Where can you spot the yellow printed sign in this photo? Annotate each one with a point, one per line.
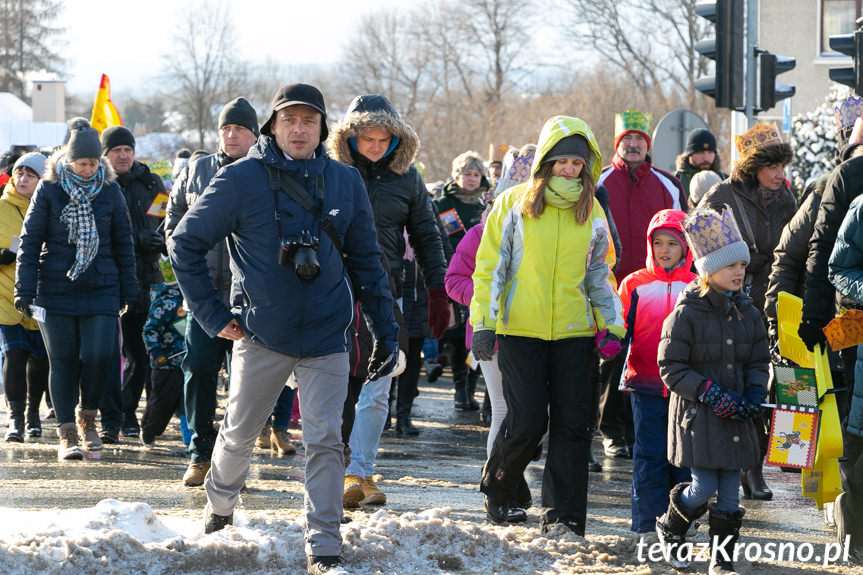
(793, 438)
(159, 207)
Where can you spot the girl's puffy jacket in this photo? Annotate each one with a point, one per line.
(648, 296)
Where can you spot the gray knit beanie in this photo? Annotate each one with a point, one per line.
(34, 160)
(83, 141)
(701, 183)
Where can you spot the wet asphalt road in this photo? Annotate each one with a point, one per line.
(439, 468)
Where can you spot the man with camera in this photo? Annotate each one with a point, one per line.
(238, 132)
(287, 195)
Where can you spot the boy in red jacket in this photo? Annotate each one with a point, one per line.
(648, 296)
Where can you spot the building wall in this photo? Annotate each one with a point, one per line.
(791, 28)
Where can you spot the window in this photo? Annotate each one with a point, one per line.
(838, 17)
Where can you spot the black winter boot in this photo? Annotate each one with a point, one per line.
(485, 412)
(459, 380)
(671, 528)
(472, 376)
(724, 533)
(403, 418)
(15, 431)
(754, 486)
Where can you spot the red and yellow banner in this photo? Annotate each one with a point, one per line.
(104, 113)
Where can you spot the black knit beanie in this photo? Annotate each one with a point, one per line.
(700, 140)
(574, 146)
(117, 136)
(238, 111)
(83, 141)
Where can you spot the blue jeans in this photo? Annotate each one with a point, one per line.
(281, 417)
(705, 482)
(371, 414)
(652, 475)
(204, 357)
(80, 351)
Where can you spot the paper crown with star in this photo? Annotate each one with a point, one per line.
(632, 120)
(757, 136)
(715, 239)
(847, 111)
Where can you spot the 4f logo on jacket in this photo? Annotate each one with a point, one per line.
(334, 212)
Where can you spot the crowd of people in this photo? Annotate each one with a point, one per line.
(311, 261)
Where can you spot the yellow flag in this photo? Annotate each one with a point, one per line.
(104, 113)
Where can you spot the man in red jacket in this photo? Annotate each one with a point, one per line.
(636, 191)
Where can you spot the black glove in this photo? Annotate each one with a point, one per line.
(385, 357)
(155, 243)
(482, 344)
(23, 303)
(723, 402)
(7, 257)
(811, 334)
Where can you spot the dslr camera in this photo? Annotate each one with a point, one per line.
(302, 251)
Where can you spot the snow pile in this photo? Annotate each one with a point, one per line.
(115, 538)
(814, 140)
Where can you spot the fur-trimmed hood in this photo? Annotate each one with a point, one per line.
(52, 175)
(374, 111)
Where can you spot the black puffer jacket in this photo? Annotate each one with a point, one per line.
(720, 339)
(395, 187)
(190, 185)
(766, 223)
(845, 184)
(789, 258)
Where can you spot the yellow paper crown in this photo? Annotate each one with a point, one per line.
(708, 231)
(758, 135)
(847, 111)
(632, 119)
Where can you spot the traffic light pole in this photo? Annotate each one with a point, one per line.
(751, 61)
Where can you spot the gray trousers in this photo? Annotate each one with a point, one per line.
(257, 378)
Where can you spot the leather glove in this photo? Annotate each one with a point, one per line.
(439, 310)
(385, 356)
(810, 331)
(723, 402)
(155, 243)
(482, 344)
(23, 303)
(607, 344)
(7, 257)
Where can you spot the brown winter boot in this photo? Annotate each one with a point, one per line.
(263, 440)
(280, 441)
(86, 420)
(69, 448)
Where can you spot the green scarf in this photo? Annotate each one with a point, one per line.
(562, 193)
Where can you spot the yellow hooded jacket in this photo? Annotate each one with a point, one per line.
(549, 277)
(13, 206)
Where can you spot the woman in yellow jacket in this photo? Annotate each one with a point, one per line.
(25, 361)
(543, 289)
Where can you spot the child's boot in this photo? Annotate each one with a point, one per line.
(671, 528)
(724, 533)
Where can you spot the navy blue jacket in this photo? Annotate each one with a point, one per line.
(274, 308)
(46, 255)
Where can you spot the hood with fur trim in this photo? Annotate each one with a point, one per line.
(52, 175)
(374, 111)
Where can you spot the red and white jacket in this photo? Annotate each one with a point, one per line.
(648, 296)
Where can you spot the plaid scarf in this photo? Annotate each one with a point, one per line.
(78, 215)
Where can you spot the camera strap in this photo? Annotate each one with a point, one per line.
(283, 180)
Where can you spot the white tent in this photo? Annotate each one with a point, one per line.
(18, 128)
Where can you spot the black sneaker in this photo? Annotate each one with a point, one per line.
(110, 436)
(147, 439)
(325, 565)
(213, 522)
(34, 432)
(433, 372)
(132, 432)
(516, 515)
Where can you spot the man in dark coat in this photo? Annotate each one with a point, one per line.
(140, 188)
(375, 140)
(291, 310)
(636, 190)
(238, 131)
(700, 154)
